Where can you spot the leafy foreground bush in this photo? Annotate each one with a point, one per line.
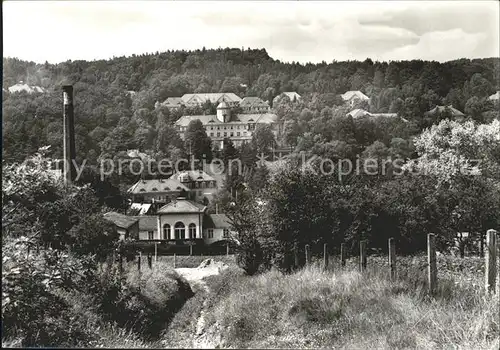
(72, 304)
(316, 309)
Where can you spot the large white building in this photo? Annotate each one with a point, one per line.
(237, 127)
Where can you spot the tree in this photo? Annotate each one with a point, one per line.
(197, 142)
(479, 86)
(228, 152)
(475, 107)
(263, 139)
(260, 178)
(291, 132)
(453, 149)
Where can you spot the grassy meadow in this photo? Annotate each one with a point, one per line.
(346, 309)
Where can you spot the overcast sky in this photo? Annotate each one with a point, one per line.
(289, 31)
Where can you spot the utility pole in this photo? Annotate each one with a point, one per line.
(69, 149)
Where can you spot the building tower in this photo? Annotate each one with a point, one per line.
(223, 112)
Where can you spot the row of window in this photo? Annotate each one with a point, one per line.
(154, 189)
(179, 231)
(210, 233)
(230, 134)
(227, 127)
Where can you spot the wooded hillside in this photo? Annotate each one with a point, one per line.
(111, 119)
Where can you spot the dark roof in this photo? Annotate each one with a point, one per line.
(191, 175)
(157, 185)
(266, 118)
(216, 221)
(182, 205)
(253, 101)
(120, 220)
(147, 222)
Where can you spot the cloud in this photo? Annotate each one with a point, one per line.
(443, 46)
(439, 16)
(290, 31)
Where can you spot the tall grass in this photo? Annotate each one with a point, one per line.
(316, 309)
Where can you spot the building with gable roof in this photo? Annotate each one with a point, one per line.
(252, 104)
(156, 190)
(173, 102)
(358, 113)
(148, 226)
(20, 87)
(455, 113)
(353, 97)
(194, 184)
(192, 100)
(181, 220)
(292, 96)
(126, 226)
(225, 124)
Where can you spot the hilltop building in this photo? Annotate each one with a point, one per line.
(254, 105)
(455, 113)
(292, 96)
(194, 100)
(353, 97)
(173, 102)
(20, 87)
(237, 127)
(357, 113)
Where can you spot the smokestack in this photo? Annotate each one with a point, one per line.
(69, 148)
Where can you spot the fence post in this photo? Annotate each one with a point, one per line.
(308, 255)
(431, 262)
(139, 262)
(362, 256)
(392, 258)
(150, 261)
(491, 260)
(191, 249)
(325, 256)
(175, 261)
(227, 249)
(120, 265)
(342, 254)
(156, 252)
(296, 255)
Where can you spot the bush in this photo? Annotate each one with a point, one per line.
(32, 309)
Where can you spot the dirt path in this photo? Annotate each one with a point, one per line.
(195, 277)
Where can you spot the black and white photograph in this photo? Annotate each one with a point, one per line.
(251, 174)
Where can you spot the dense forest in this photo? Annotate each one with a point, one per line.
(115, 98)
